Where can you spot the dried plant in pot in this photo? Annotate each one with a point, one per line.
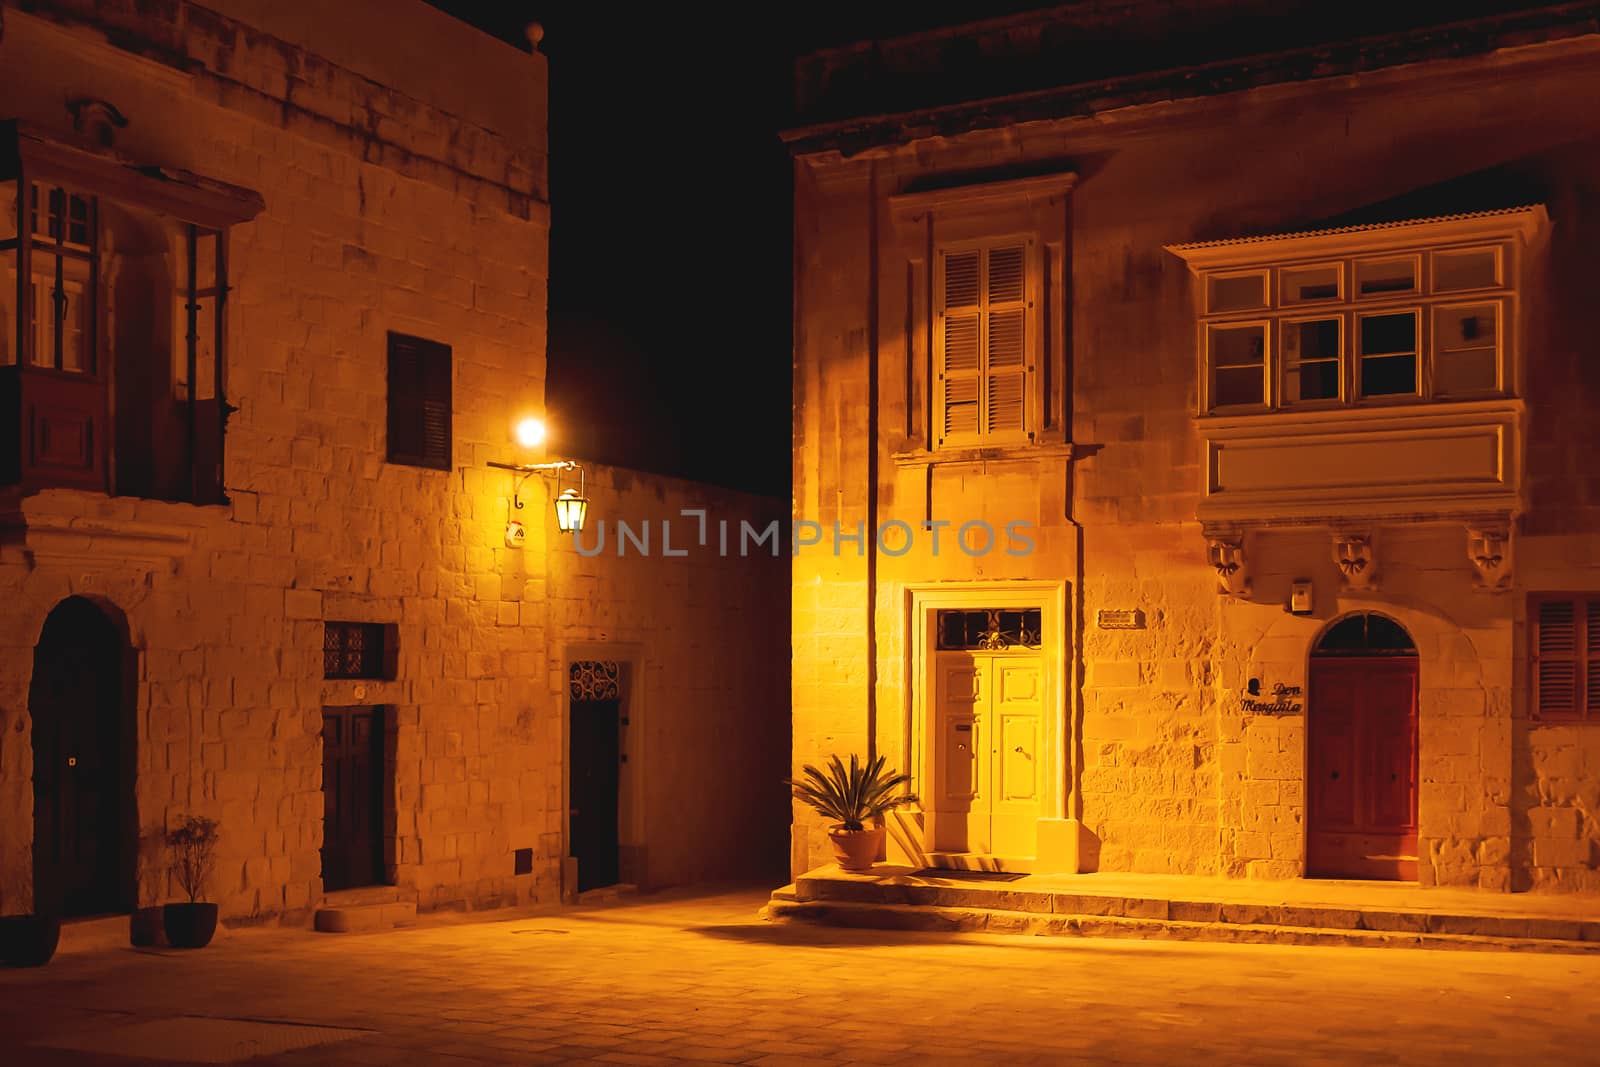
(851, 798)
(193, 845)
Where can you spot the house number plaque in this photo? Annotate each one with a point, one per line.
(1120, 619)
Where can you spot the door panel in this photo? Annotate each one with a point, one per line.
(1362, 764)
(353, 773)
(987, 761)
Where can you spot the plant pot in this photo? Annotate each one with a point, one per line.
(856, 850)
(28, 940)
(189, 925)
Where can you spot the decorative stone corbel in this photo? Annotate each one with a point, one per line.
(1358, 562)
(1489, 552)
(96, 122)
(1225, 552)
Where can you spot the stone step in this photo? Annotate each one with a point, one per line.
(363, 910)
(609, 894)
(950, 920)
(1040, 900)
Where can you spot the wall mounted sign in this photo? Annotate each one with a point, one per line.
(1127, 619)
(1281, 700)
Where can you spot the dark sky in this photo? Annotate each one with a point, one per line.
(670, 304)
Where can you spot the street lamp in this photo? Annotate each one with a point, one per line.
(570, 503)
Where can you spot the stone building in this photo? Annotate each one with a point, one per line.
(273, 298)
(1196, 410)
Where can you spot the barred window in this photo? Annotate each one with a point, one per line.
(359, 650)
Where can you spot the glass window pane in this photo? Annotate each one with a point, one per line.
(1312, 381)
(1301, 284)
(1374, 276)
(1238, 346)
(75, 316)
(1381, 334)
(1388, 375)
(1316, 339)
(1311, 360)
(1238, 385)
(1239, 292)
(1476, 268)
(1466, 349)
(8, 314)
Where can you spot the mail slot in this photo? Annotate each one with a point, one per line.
(963, 727)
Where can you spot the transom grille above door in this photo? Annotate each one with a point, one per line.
(989, 629)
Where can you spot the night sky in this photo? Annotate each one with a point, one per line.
(670, 240)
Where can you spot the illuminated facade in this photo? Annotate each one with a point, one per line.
(274, 295)
(1276, 349)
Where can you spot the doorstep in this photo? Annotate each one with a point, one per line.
(1302, 911)
(365, 909)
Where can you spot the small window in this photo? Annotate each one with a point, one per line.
(1471, 268)
(1566, 657)
(1388, 354)
(1381, 277)
(1237, 292)
(1304, 285)
(359, 650)
(419, 402)
(1366, 634)
(1237, 356)
(1312, 358)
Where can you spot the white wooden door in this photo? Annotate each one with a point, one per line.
(987, 753)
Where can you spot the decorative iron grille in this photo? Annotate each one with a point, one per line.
(353, 650)
(595, 679)
(989, 629)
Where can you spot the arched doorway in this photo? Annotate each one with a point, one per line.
(82, 764)
(1361, 752)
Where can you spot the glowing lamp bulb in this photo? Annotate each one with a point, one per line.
(530, 433)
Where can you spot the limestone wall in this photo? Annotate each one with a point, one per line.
(1171, 774)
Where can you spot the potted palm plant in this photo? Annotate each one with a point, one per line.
(193, 843)
(851, 797)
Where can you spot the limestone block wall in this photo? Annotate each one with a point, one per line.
(703, 632)
(1171, 774)
(384, 212)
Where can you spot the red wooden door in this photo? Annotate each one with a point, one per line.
(1362, 768)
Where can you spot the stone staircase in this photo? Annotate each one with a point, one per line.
(950, 902)
(364, 910)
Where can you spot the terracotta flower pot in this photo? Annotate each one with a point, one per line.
(189, 925)
(856, 850)
(28, 940)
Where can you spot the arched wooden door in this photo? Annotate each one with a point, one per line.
(82, 767)
(1361, 752)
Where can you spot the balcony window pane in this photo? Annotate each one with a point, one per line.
(1239, 292)
(1466, 347)
(1311, 360)
(1378, 276)
(1389, 354)
(1238, 360)
(1473, 268)
(1302, 284)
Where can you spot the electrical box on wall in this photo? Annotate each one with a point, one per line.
(1300, 598)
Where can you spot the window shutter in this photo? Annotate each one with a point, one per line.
(1007, 364)
(1592, 658)
(419, 402)
(1555, 668)
(961, 316)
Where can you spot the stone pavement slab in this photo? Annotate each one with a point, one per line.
(697, 979)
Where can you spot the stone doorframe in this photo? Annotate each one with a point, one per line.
(911, 833)
(631, 836)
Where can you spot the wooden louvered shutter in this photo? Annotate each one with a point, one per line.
(981, 345)
(1006, 346)
(419, 402)
(1591, 655)
(959, 335)
(1557, 659)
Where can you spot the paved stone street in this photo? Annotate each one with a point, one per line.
(700, 979)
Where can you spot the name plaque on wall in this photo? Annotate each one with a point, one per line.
(1120, 619)
(1282, 700)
